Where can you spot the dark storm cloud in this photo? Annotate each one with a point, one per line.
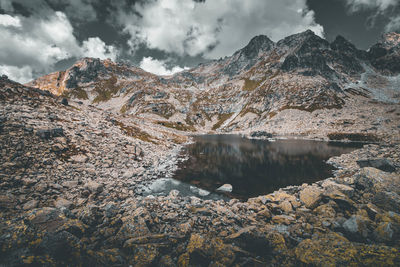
(360, 21)
(165, 35)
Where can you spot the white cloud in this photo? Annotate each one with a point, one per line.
(38, 43)
(158, 67)
(35, 45)
(7, 20)
(22, 75)
(214, 28)
(393, 25)
(381, 5)
(95, 47)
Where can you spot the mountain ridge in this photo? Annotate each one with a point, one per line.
(302, 72)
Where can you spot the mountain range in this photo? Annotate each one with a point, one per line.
(302, 72)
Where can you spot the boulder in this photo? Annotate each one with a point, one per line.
(110, 210)
(381, 164)
(79, 158)
(64, 101)
(389, 201)
(357, 226)
(310, 196)
(63, 203)
(94, 187)
(50, 133)
(32, 204)
(385, 232)
(285, 206)
(347, 190)
(7, 201)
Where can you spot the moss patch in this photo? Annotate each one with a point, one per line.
(77, 92)
(246, 110)
(221, 119)
(250, 85)
(124, 109)
(177, 125)
(106, 89)
(135, 132)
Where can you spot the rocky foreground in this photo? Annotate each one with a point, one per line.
(69, 178)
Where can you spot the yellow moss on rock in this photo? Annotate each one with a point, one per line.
(333, 249)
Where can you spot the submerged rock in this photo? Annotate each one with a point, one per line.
(225, 188)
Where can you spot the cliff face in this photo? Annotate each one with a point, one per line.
(302, 72)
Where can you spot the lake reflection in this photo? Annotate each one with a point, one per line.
(256, 167)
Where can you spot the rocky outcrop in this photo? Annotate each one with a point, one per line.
(385, 55)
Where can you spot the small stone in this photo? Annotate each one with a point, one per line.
(286, 206)
(194, 201)
(173, 193)
(64, 101)
(30, 204)
(70, 184)
(79, 158)
(264, 214)
(111, 210)
(28, 182)
(128, 174)
(203, 192)
(283, 219)
(58, 147)
(225, 188)
(94, 187)
(347, 190)
(63, 203)
(7, 201)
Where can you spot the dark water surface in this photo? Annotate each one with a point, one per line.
(256, 167)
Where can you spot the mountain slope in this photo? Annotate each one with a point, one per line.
(302, 72)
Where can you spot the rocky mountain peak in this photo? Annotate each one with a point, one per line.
(307, 37)
(385, 55)
(342, 44)
(259, 43)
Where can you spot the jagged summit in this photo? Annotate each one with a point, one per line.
(307, 37)
(342, 44)
(257, 44)
(385, 55)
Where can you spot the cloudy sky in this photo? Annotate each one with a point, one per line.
(166, 36)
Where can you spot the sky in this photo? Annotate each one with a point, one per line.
(167, 36)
